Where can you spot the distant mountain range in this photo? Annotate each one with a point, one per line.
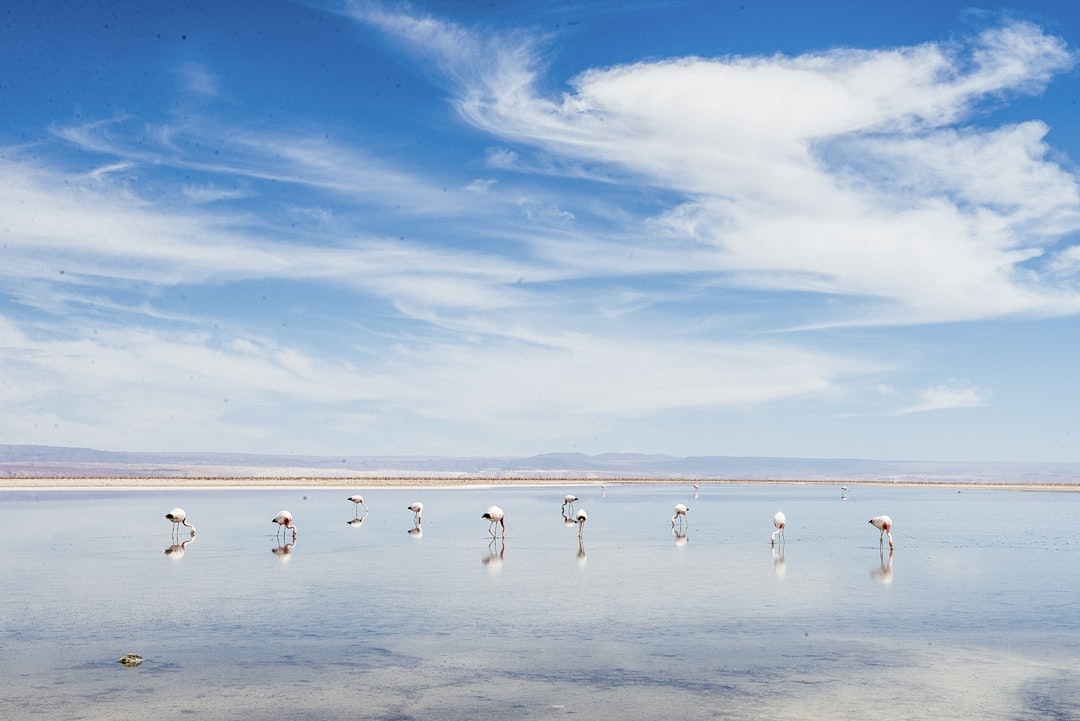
(55, 461)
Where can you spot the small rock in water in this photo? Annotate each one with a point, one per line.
(131, 659)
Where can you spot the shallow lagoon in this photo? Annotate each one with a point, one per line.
(973, 616)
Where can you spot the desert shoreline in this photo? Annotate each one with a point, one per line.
(59, 483)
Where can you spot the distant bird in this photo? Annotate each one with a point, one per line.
(779, 521)
(568, 499)
(883, 524)
(495, 515)
(697, 489)
(357, 501)
(680, 513)
(284, 520)
(418, 509)
(178, 518)
(581, 516)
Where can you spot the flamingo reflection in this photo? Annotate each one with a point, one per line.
(883, 573)
(417, 531)
(354, 521)
(680, 535)
(581, 552)
(778, 560)
(284, 551)
(177, 549)
(496, 553)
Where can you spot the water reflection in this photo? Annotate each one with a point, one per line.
(778, 560)
(177, 549)
(357, 522)
(284, 551)
(496, 553)
(680, 535)
(697, 491)
(417, 531)
(883, 573)
(986, 583)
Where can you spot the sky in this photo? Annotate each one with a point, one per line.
(748, 228)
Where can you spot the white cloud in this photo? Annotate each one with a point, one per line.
(848, 172)
(949, 395)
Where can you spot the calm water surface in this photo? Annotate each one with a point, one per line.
(974, 615)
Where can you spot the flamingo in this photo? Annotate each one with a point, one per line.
(581, 516)
(284, 520)
(495, 515)
(568, 499)
(357, 501)
(680, 513)
(883, 524)
(418, 509)
(178, 518)
(779, 521)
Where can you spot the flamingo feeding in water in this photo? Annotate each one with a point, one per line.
(568, 500)
(883, 524)
(495, 515)
(779, 521)
(581, 516)
(284, 520)
(357, 501)
(178, 518)
(680, 513)
(418, 509)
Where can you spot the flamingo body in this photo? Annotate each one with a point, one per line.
(418, 509)
(357, 501)
(580, 517)
(680, 513)
(179, 518)
(284, 520)
(883, 524)
(779, 521)
(494, 514)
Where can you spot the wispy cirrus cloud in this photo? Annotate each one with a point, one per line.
(858, 173)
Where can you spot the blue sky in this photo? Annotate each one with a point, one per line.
(734, 228)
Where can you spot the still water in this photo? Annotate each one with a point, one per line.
(974, 615)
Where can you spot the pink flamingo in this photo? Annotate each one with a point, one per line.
(178, 518)
(284, 520)
(495, 515)
(779, 521)
(883, 524)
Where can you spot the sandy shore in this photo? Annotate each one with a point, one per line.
(41, 483)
